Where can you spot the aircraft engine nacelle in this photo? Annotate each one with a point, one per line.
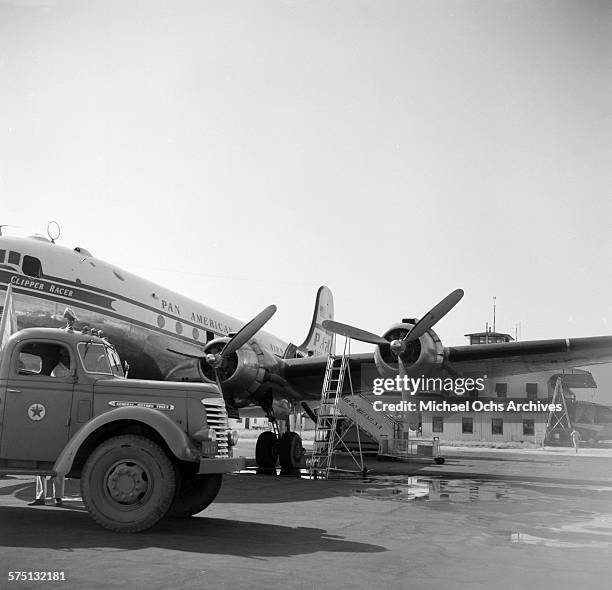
(423, 357)
(242, 372)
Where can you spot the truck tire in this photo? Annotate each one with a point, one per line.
(128, 483)
(195, 493)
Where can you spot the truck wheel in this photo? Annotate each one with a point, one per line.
(128, 483)
(290, 451)
(195, 493)
(266, 450)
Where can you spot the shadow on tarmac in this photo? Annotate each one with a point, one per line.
(69, 530)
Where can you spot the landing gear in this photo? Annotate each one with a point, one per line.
(269, 449)
(291, 453)
(279, 443)
(266, 450)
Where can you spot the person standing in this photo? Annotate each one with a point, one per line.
(575, 438)
(58, 483)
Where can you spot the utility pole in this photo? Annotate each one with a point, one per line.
(494, 298)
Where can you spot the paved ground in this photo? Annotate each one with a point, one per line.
(481, 521)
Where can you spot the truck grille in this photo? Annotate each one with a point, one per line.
(216, 417)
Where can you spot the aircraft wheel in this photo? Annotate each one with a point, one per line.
(266, 450)
(291, 451)
(439, 460)
(128, 483)
(195, 493)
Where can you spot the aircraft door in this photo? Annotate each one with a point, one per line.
(38, 402)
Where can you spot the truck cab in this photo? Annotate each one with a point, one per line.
(142, 449)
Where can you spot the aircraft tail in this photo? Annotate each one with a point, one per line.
(320, 342)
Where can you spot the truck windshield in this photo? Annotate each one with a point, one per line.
(94, 358)
(115, 362)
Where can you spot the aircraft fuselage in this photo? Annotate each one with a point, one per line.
(141, 318)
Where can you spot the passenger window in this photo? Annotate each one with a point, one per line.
(31, 266)
(14, 258)
(2, 256)
(45, 359)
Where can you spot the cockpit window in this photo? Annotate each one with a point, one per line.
(32, 267)
(14, 258)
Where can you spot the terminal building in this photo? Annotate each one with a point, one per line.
(505, 426)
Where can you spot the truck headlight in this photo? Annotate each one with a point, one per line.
(205, 435)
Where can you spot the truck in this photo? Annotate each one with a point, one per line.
(143, 450)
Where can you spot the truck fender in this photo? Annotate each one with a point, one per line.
(175, 438)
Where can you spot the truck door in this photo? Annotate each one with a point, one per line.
(38, 402)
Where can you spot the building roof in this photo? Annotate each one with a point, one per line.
(495, 334)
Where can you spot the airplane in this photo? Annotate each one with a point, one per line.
(164, 335)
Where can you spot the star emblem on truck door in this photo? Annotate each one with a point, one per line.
(36, 412)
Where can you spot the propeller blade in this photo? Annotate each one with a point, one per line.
(248, 331)
(434, 315)
(401, 366)
(352, 332)
(218, 380)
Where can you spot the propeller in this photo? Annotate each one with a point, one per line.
(434, 315)
(215, 359)
(240, 338)
(428, 321)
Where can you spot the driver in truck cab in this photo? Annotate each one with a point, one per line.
(62, 369)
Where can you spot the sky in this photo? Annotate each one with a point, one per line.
(244, 153)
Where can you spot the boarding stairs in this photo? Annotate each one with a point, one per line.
(332, 418)
(341, 408)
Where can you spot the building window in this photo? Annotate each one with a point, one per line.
(528, 427)
(437, 424)
(532, 390)
(501, 389)
(497, 426)
(467, 425)
(31, 266)
(14, 258)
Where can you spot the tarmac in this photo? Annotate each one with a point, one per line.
(483, 520)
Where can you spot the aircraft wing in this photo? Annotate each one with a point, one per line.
(514, 358)
(305, 375)
(494, 360)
